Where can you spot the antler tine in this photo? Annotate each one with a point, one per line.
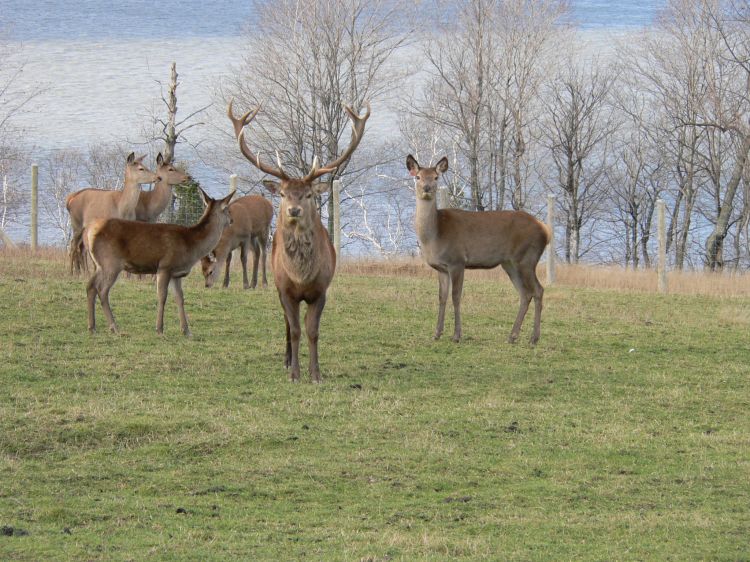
(278, 162)
(239, 131)
(358, 130)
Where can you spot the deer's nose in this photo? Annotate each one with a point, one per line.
(294, 211)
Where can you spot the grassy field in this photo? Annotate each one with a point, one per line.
(624, 435)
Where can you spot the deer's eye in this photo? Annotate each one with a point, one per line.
(282, 194)
(308, 196)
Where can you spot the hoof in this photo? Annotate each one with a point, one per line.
(436, 337)
(456, 339)
(512, 338)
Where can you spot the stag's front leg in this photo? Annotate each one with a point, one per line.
(291, 309)
(457, 285)
(180, 299)
(312, 326)
(162, 289)
(444, 282)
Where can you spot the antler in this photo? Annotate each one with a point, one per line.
(358, 130)
(239, 132)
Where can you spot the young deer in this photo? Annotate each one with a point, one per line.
(90, 204)
(168, 250)
(152, 203)
(453, 240)
(251, 223)
(302, 255)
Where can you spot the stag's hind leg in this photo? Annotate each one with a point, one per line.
(253, 246)
(312, 327)
(226, 271)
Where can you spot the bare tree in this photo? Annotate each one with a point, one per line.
(578, 132)
(60, 175)
(304, 60)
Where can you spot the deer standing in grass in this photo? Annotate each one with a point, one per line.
(168, 250)
(89, 204)
(302, 254)
(453, 240)
(251, 223)
(152, 203)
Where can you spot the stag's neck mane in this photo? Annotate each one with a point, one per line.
(299, 246)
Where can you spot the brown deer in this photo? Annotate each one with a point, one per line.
(89, 204)
(168, 250)
(302, 254)
(152, 203)
(453, 240)
(251, 223)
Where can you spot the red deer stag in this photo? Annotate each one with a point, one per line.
(91, 203)
(453, 240)
(251, 223)
(302, 255)
(168, 250)
(152, 203)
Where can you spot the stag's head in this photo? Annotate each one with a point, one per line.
(167, 172)
(426, 179)
(136, 172)
(298, 208)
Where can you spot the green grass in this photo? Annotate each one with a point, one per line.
(624, 435)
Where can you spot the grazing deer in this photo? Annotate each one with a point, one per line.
(168, 250)
(251, 223)
(89, 204)
(152, 203)
(453, 240)
(302, 254)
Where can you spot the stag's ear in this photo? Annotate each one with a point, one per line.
(320, 187)
(159, 159)
(442, 166)
(412, 165)
(131, 157)
(272, 186)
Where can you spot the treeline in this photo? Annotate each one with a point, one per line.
(522, 102)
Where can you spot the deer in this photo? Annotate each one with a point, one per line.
(251, 223)
(167, 250)
(302, 255)
(152, 203)
(453, 240)
(89, 204)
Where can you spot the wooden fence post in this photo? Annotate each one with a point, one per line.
(661, 266)
(337, 217)
(34, 206)
(551, 247)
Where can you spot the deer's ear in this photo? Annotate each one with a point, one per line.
(412, 165)
(204, 197)
(159, 159)
(442, 166)
(320, 187)
(226, 200)
(272, 186)
(211, 257)
(131, 157)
